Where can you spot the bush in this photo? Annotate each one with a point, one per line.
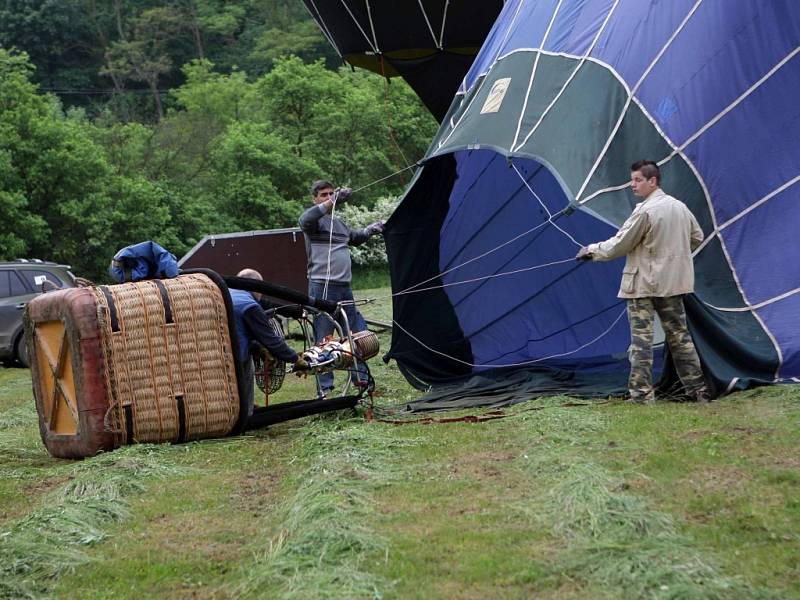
(373, 253)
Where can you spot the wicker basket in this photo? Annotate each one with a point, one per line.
(150, 361)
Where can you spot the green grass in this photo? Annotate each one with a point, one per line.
(600, 501)
(325, 542)
(365, 278)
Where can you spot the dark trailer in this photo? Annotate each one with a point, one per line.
(278, 254)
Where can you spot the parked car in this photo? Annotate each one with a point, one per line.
(21, 281)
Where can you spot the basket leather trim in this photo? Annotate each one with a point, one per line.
(165, 301)
(112, 308)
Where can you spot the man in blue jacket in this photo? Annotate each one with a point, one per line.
(328, 241)
(254, 329)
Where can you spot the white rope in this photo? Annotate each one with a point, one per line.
(424, 14)
(569, 80)
(324, 28)
(454, 126)
(732, 105)
(372, 27)
(444, 20)
(488, 252)
(614, 188)
(759, 202)
(333, 213)
(518, 364)
(741, 214)
(677, 150)
(377, 181)
(632, 92)
(361, 29)
(550, 220)
(463, 114)
(485, 277)
(414, 289)
(549, 216)
(533, 73)
(462, 89)
(751, 307)
(330, 246)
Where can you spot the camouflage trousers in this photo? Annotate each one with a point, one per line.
(673, 319)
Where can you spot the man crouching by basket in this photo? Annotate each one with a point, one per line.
(253, 328)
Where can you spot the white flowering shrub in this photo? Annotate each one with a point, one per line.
(372, 253)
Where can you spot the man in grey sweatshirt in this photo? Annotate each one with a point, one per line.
(328, 241)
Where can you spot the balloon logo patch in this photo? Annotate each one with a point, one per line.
(496, 95)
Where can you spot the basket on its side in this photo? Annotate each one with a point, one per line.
(150, 361)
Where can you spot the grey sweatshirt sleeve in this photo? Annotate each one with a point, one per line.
(309, 220)
(359, 236)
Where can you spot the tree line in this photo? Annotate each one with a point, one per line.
(123, 54)
(232, 154)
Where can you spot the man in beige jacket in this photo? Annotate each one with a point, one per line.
(658, 239)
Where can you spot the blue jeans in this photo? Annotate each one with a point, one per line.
(323, 327)
(248, 390)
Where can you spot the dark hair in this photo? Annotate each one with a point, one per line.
(648, 169)
(320, 184)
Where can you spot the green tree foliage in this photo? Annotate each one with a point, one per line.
(64, 200)
(217, 97)
(18, 227)
(355, 125)
(57, 37)
(125, 54)
(144, 56)
(256, 178)
(301, 38)
(21, 111)
(229, 154)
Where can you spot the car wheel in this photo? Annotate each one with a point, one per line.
(21, 352)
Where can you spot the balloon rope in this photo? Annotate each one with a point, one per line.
(544, 206)
(330, 245)
(518, 364)
(488, 252)
(333, 211)
(550, 220)
(452, 283)
(403, 170)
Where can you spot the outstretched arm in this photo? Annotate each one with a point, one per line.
(265, 335)
(359, 236)
(626, 239)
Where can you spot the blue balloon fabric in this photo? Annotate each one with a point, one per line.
(533, 161)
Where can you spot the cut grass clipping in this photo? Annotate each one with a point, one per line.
(48, 541)
(614, 542)
(325, 548)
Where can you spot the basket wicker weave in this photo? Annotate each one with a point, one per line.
(170, 377)
(150, 361)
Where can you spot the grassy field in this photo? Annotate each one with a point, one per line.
(598, 501)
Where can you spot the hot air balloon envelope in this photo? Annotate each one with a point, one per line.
(430, 43)
(533, 161)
